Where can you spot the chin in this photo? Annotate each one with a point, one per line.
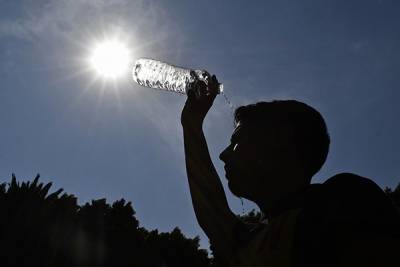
(235, 189)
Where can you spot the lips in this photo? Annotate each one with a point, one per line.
(227, 172)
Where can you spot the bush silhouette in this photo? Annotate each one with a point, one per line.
(41, 229)
(394, 195)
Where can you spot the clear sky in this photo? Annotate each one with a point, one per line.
(118, 140)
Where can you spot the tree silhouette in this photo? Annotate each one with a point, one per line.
(394, 195)
(41, 229)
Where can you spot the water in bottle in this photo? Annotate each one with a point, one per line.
(159, 75)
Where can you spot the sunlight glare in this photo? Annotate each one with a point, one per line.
(110, 58)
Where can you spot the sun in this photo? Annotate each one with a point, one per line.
(110, 58)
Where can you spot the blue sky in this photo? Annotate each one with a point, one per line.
(115, 139)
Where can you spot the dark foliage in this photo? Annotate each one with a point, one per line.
(41, 229)
(394, 195)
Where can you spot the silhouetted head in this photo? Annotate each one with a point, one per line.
(275, 150)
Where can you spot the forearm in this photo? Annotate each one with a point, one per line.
(208, 196)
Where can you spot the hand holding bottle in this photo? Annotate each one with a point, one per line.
(200, 99)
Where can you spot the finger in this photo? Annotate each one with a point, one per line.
(213, 85)
(201, 89)
(206, 75)
(212, 97)
(191, 94)
(214, 79)
(194, 74)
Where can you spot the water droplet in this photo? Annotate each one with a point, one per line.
(241, 200)
(231, 106)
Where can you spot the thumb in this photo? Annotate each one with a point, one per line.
(191, 94)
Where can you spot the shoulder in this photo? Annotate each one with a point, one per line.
(350, 190)
(350, 197)
(347, 182)
(345, 195)
(340, 215)
(363, 222)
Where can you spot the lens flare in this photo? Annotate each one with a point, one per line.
(110, 58)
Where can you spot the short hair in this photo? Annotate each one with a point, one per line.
(309, 133)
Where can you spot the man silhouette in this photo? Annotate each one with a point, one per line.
(275, 150)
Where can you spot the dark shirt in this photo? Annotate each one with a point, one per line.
(340, 215)
(346, 221)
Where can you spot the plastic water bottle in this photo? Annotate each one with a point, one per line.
(159, 75)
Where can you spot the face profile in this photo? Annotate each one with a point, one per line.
(267, 156)
(240, 161)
